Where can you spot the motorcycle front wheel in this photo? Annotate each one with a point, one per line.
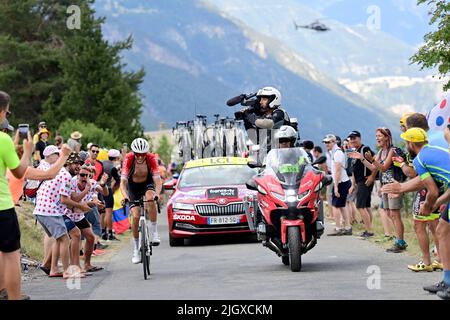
(294, 244)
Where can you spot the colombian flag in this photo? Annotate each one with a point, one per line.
(121, 223)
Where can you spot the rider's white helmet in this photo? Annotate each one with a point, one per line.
(286, 132)
(273, 94)
(140, 145)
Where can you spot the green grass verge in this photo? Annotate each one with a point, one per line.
(413, 249)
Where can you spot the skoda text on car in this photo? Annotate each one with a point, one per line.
(208, 198)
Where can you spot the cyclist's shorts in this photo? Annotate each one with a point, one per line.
(137, 190)
(418, 200)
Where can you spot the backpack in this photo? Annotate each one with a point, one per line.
(397, 172)
(348, 165)
(31, 188)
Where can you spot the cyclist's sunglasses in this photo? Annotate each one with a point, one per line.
(140, 155)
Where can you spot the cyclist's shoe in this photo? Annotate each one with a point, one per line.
(421, 267)
(435, 288)
(437, 265)
(155, 239)
(444, 294)
(136, 256)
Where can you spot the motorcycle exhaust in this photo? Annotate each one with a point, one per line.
(272, 246)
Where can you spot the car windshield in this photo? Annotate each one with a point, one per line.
(286, 164)
(216, 176)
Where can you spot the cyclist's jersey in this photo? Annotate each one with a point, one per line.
(129, 165)
(433, 161)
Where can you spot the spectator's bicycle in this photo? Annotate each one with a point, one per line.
(144, 234)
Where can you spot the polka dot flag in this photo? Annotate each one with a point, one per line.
(439, 116)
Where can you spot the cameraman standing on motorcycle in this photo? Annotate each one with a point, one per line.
(266, 113)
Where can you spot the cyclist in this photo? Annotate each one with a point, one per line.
(140, 176)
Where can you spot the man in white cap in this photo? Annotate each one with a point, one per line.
(6, 127)
(110, 167)
(75, 141)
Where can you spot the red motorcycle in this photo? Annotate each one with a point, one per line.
(285, 213)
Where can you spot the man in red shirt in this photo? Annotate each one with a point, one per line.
(140, 176)
(92, 160)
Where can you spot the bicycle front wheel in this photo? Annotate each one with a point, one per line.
(145, 258)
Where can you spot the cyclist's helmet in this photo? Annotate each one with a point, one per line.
(286, 132)
(273, 94)
(140, 145)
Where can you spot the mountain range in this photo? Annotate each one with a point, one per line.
(197, 54)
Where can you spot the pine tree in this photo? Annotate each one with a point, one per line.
(99, 90)
(29, 56)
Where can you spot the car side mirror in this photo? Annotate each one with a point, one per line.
(169, 185)
(251, 185)
(254, 165)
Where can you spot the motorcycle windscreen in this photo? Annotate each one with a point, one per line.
(287, 164)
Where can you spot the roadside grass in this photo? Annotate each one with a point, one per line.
(32, 236)
(413, 248)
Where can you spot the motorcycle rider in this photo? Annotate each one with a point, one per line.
(286, 137)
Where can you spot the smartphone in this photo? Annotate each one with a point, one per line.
(23, 130)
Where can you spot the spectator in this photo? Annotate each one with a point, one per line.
(316, 152)
(41, 125)
(432, 165)
(75, 141)
(92, 160)
(341, 187)
(352, 191)
(42, 143)
(110, 167)
(392, 203)
(59, 140)
(10, 272)
(417, 120)
(52, 200)
(308, 146)
(363, 181)
(6, 127)
(83, 190)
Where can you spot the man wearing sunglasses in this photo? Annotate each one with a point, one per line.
(140, 176)
(93, 154)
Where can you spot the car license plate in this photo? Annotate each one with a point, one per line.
(224, 220)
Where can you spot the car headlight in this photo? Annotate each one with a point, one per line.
(303, 195)
(183, 206)
(261, 190)
(279, 196)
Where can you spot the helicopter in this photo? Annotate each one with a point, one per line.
(316, 25)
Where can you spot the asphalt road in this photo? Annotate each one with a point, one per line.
(239, 268)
